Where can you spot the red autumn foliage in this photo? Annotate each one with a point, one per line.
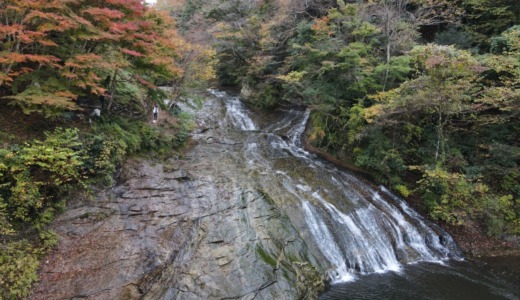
(81, 44)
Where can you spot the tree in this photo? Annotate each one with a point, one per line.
(397, 25)
(454, 126)
(442, 91)
(36, 175)
(331, 67)
(487, 18)
(54, 51)
(26, 48)
(335, 60)
(502, 76)
(399, 22)
(196, 65)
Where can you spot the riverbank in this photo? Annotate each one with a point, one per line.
(471, 238)
(474, 241)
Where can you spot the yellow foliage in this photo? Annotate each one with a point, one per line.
(292, 77)
(385, 96)
(317, 133)
(372, 112)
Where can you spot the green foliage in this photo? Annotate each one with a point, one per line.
(377, 155)
(184, 127)
(455, 120)
(330, 66)
(454, 35)
(42, 93)
(19, 262)
(403, 190)
(37, 174)
(503, 214)
(502, 76)
(396, 71)
(356, 123)
(487, 18)
(449, 195)
(188, 10)
(332, 69)
(510, 182)
(112, 141)
(266, 95)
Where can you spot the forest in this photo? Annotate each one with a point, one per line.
(423, 95)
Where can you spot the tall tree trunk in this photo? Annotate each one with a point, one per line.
(387, 71)
(440, 144)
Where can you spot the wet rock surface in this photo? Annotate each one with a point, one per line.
(246, 213)
(190, 228)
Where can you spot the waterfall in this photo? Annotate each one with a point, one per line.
(328, 247)
(360, 229)
(236, 112)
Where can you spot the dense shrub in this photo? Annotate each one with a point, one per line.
(34, 176)
(19, 262)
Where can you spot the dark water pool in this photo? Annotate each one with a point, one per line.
(483, 279)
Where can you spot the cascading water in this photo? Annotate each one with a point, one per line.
(235, 111)
(247, 213)
(359, 229)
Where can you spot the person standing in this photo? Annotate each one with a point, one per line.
(155, 113)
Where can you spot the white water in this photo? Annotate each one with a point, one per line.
(330, 249)
(236, 112)
(358, 228)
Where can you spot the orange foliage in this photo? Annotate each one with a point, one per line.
(321, 26)
(104, 13)
(131, 52)
(81, 43)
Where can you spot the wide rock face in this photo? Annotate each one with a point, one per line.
(190, 228)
